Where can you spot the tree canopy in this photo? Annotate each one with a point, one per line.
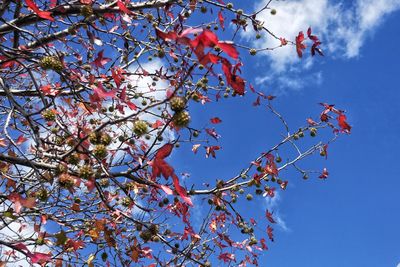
(96, 97)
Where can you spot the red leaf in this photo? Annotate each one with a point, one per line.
(210, 150)
(284, 184)
(123, 7)
(166, 36)
(157, 124)
(311, 122)
(49, 90)
(29, 202)
(209, 58)
(195, 148)
(75, 245)
(233, 80)
(43, 219)
(226, 257)
(271, 167)
(43, 14)
(100, 61)
(283, 41)
(164, 151)
(21, 246)
(21, 139)
(3, 142)
(299, 44)
(221, 19)
(325, 151)
(215, 120)
(263, 245)
(181, 191)
(9, 64)
(20, 202)
(213, 133)
(270, 233)
(126, 101)
(207, 38)
(345, 127)
(257, 102)
(102, 93)
(324, 174)
(166, 189)
(116, 74)
(309, 32)
(315, 48)
(90, 184)
(38, 257)
(229, 49)
(269, 217)
(162, 167)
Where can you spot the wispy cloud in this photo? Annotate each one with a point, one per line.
(343, 26)
(272, 204)
(14, 231)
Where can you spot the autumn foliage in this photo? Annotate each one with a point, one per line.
(97, 97)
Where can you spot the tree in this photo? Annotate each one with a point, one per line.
(96, 96)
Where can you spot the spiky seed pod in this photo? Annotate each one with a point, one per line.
(249, 197)
(177, 103)
(105, 139)
(253, 241)
(181, 119)
(94, 138)
(155, 239)
(40, 241)
(154, 228)
(46, 62)
(51, 63)
(100, 151)
(61, 168)
(139, 227)
(85, 171)
(74, 159)
(167, 232)
(104, 256)
(58, 140)
(313, 132)
(87, 11)
(126, 201)
(42, 195)
(48, 115)
(104, 182)
(145, 235)
(66, 181)
(140, 127)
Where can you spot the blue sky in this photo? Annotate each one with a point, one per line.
(352, 218)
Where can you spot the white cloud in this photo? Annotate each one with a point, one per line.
(15, 231)
(272, 204)
(342, 26)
